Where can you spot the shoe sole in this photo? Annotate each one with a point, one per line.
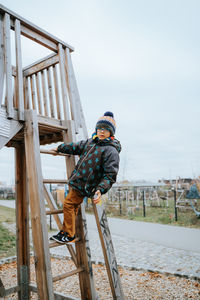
(61, 242)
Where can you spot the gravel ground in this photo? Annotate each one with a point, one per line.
(136, 284)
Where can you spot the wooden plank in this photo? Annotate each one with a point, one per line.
(51, 97)
(39, 95)
(1, 59)
(63, 83)
(80, 119)
(108, 251)
(37, 207)
(52, 205)
(22, 224)
(40, 65)
(44, 94)
(26, 95)
(54, 212)
(34, 28)
(15, 99)
(8, 67)
(58, 105)
(33, 92)
(68, 274)
(58, 296)
(63, 181)
(71, 91)
(83, 252)
(19, 77)
(8, 128)
(53, 153)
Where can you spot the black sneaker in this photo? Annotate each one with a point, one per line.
(63, 238)
(60, 233)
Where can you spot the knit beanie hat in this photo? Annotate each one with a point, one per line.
(108, 121)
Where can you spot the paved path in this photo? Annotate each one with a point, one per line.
(148, 246)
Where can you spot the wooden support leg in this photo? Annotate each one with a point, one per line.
(38, 217)
(108, 252)
(83, 253)
(22, 225)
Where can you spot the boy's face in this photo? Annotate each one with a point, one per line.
(102, 132)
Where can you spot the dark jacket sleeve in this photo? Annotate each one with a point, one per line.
(110, 167)
(72, 148)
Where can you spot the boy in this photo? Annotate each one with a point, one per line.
(94, 174)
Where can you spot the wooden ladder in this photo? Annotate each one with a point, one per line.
(29, 180)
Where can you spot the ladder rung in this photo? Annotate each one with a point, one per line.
(54, 212)
(64, 181)
(68, 274)
(51, 125)
(53, 153)
(55, 244)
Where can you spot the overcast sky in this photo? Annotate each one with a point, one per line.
(139, 59)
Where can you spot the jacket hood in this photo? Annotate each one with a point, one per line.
(115, 143)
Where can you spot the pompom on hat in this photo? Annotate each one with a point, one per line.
(108, 121)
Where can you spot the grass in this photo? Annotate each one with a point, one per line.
(161, 215)
(7, 239)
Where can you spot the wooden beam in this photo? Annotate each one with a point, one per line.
(57, 94)
(37, 208)
(54, 212)
(80, 119)
(39, 95)
(1, 59)
(19, 77)
(68, 274)
(22, 224)
(63, 83)
(8, 67)
(52, 205)
(83, 254)
(33, 92)
(40, 65)
(51, 97)
(57, 296)
(37, 30)
(62, 181)
(44, 90)
(71, 91)
(53, 153)
(108, 251)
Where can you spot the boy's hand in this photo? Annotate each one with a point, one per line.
(54, 150)
(97, 197)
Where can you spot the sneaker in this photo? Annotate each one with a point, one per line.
(63, 238)
(56, 235)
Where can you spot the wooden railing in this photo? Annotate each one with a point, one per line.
(47, 86)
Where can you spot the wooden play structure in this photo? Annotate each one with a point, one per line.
(39, 105)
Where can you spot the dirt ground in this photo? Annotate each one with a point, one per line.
(136, 284)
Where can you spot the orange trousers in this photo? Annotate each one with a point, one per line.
(70, 210)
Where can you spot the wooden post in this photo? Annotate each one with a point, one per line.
(8, 67)
(83, 253)
(58, 106)
(80, 119)
(38, 216)
(63, 82)
(33, 92)
(1, 59)
(39, 96)
(50, 87)
(108, 251)
(44, 94)
(22, 224)
(19, 75)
